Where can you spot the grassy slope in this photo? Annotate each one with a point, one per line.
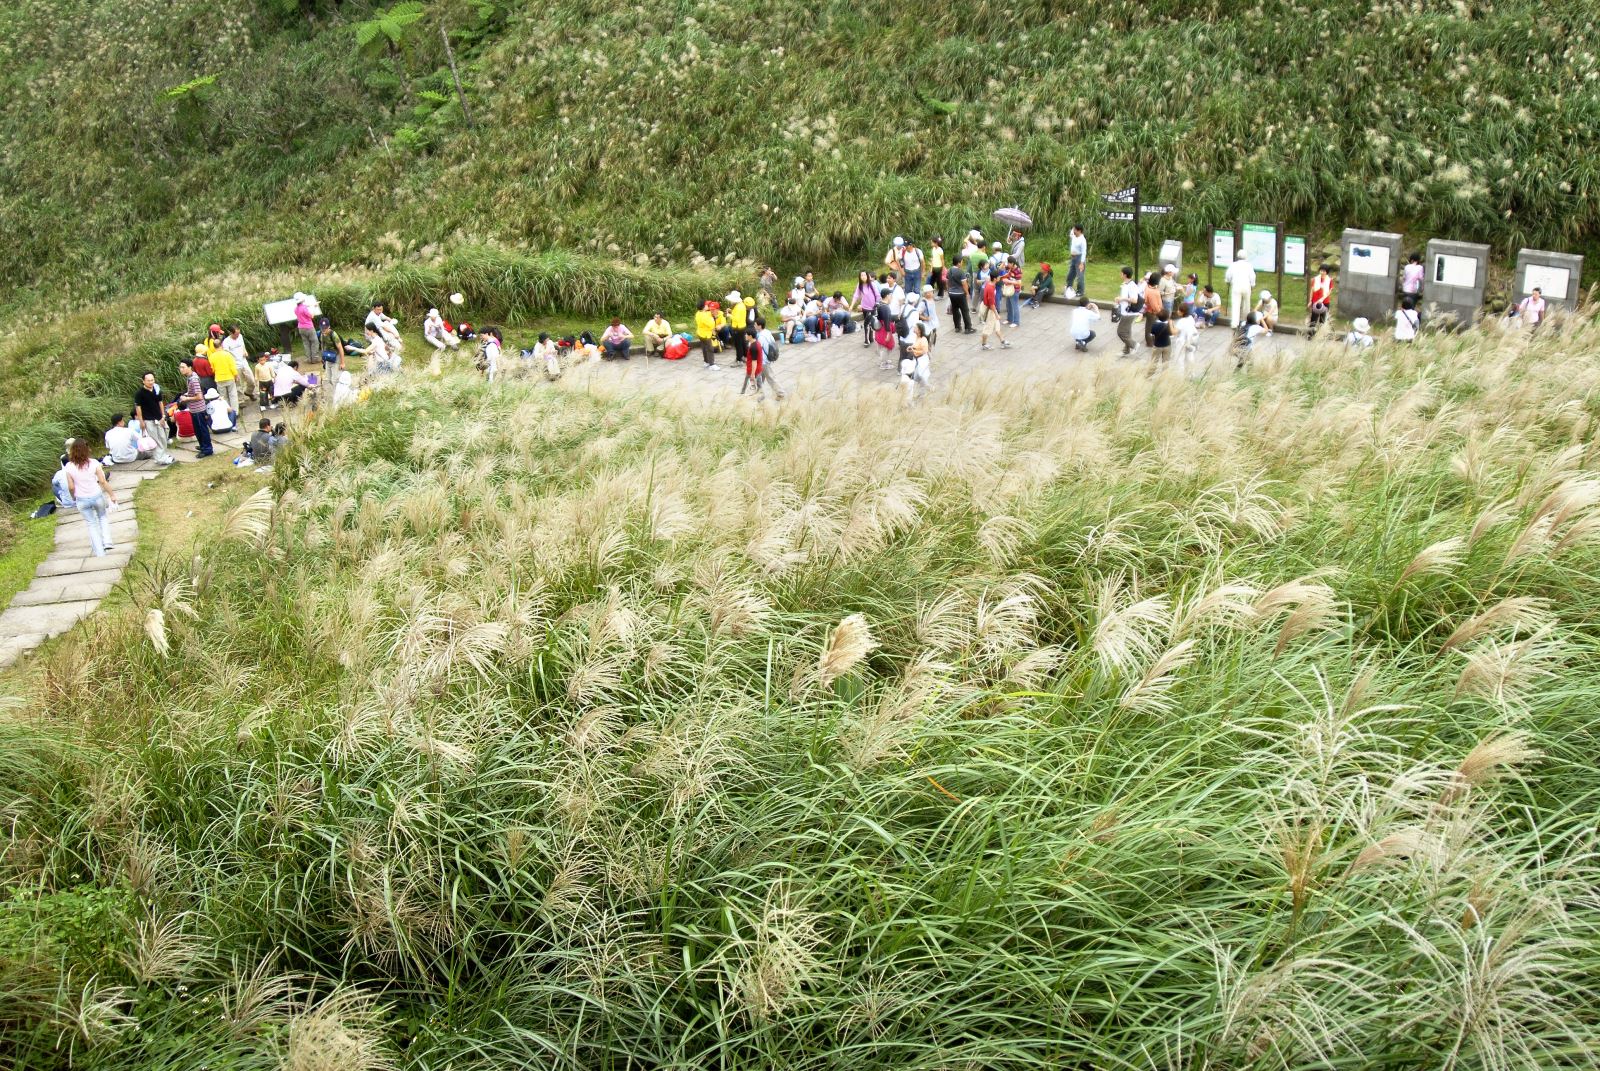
(780, 132)
(1244, 722)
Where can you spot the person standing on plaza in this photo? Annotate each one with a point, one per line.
(705, 330)
(927, 316)
(1077, 268)
(865, 298)
(1130, 305)
(193, 400)
(911, 260)
(1185, 338)
(991, 318)
(960, 291)
(1241, 280)
(1169, 289)
(1152, 306)
(937, 267)
(1318, 300)
(1019, 243)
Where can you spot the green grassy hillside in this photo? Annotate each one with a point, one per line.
(151, 142)
(1107, 722)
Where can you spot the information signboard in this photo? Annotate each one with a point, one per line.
(1552, 282)
(1294, 255)
(1260, 245)
(1221, 249)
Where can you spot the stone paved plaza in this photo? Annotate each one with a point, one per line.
(821, 369)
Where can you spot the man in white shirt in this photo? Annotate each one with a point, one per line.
(1241, 280)
(911, 261)
(388, 329)
(1080, 259)
(997, 257)
(1084, 317)
(122, 444)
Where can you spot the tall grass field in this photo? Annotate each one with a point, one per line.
(1113, 721)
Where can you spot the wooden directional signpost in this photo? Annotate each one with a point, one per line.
(1134, 209)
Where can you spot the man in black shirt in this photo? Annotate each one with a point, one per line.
(152, 414)
(960, 312)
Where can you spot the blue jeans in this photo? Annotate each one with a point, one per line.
(94, 518)
(914, 283)
(1075, 275)
(1014, 308)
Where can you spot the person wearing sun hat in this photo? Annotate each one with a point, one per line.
(1267, 310)
(1168, 289)
(1360, 336)
(305, 324)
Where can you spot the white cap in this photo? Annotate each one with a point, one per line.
(1239, 255)
(1362, 324)
(299, 297)
(899, 241)
(734, 297)
(1170, 267)
(1266, 295)
(212, 395)
(997, 245)
(927, 289)
(433, 312)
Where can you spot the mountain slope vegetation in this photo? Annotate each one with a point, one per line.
(151, 142)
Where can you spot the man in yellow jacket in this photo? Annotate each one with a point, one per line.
(737, 319)
(705, 330)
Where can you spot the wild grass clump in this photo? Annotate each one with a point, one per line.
(1105, 721)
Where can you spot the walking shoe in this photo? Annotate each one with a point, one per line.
(1005, 345)
(986, 346)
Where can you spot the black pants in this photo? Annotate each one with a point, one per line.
(202, 432)
(740, 344)
(960, 315)
(937, 278)
(705, 351)
(868, 318)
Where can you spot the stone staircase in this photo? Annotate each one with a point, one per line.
(71, 582)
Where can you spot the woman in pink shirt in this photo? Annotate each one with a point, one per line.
(91, 494)
(304, 323)
(616, 341)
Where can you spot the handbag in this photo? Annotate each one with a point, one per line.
(146, 443)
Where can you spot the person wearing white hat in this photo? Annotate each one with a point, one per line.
(217, 409)
(438, 333)
(891, 259)
(1241, 280)
(1267, 310)
(1168, 289)
(1360, 336)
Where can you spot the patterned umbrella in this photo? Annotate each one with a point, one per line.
(1014, 217)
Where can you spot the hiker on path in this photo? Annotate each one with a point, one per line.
(936, 266)
(1532, 308)
(1019, 243)
(244, 378)
(911, 261)
(92, 495)
(705, 330)
(1407, 320)
(193, 400)
(1411, 277)
(1185, 338)
(757, 369)
(1241, 280)
(1152, 306)
(332, 347)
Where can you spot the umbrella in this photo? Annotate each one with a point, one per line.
(1014, 217)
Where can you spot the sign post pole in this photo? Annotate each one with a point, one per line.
(1211, 256)
(1280, 245)
(1137, 212)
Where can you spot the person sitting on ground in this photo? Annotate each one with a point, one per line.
(289, 385)
(1209, 308)
(790, 315)
(1044, 286)
(586, 349)
(222, 418)
(1267, 310)
(656, 333)
(617, 341)
(808, 285)
(1083, 321)
(344, 391)
(123, 444)
(437, 333)
(61, 482)
(379, 359)
(1360, 336)
(837, 309)
(259, 448)
(811, 317)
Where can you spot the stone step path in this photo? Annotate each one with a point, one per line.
(71, 582)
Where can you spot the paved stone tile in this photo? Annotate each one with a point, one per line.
(17, 646)
(78, 589)
(49, 621)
